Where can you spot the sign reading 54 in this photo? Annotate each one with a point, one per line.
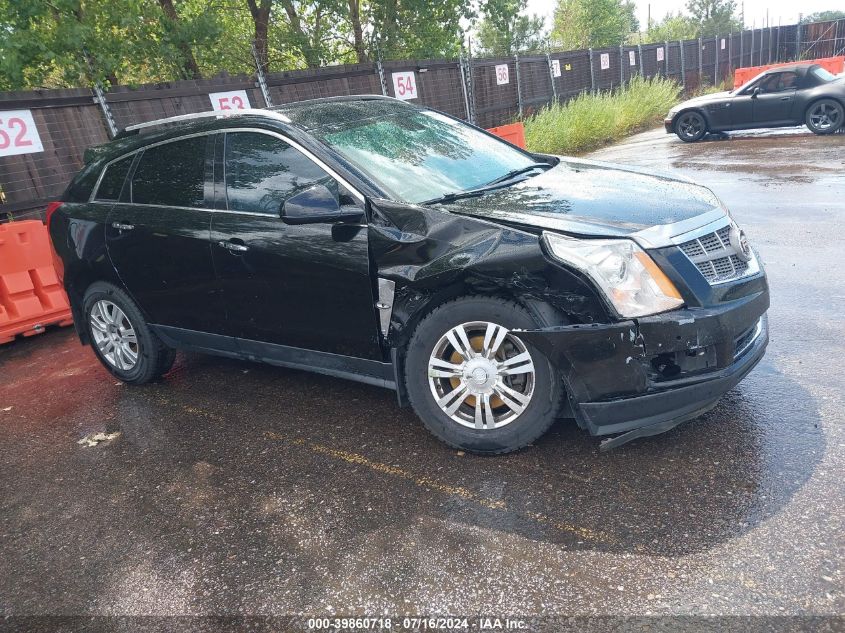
(405, 85)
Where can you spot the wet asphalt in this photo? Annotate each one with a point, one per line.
(236, 488)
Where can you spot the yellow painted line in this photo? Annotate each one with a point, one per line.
(430, 483)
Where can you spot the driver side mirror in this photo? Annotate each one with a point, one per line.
(756, 91)
(314, 205)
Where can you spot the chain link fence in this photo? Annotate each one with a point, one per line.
(484, 91)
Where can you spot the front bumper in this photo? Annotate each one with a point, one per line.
(667, 123)
(653, 373)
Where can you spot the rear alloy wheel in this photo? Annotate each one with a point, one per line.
(474, 382)
(690, 126)
(825, 116)
(121, 338)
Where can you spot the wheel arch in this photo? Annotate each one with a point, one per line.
(696, 109)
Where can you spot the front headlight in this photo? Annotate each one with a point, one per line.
(624, 272)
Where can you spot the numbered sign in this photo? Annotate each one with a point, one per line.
(18, 134)
(502, 75)
(556, 67)
(405, 85)
(605, 61)
(660, 54)
(723, 43)
(632, 58)
(232, 100)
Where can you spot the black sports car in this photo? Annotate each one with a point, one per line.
(779, 97)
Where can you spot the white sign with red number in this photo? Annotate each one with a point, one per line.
(605, 61)
(405, 85)
(232, 100)
(556, 67)
(18, 134)
(632, 58)
(660, 54)
(502, 75)
(723, 43)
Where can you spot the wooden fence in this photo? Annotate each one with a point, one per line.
(487, 92)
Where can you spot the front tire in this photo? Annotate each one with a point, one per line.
(690, 126)
(121, 338)
(825, 116)
(474, 383)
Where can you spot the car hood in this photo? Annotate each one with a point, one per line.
(585, 197)
(702, 100)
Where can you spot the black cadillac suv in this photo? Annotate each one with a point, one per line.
(363, 237)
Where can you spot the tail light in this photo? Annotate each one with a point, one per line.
(51, 209)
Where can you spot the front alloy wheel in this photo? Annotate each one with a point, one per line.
(481, 375)
(690, 127)
(825, 116)
(474, 382)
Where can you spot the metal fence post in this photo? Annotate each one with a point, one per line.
(621, 65)
(592, 73)
(380, 69)
(798, 38)
(730, 52)
(518, 85)
(716, 62)
(259, 74)
(666, 57)
(100, 98)
(752, 47)
(640, 54)
(683, 65)
(700, 60)
(464, 87)
(551, 76)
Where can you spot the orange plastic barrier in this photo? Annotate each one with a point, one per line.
(513, 133)
(31, 296)
(835, 65)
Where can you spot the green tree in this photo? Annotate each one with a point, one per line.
(673, 26)
(505, 31)
(418, 28)
(714, 17)
(823, 16)
(596, 23)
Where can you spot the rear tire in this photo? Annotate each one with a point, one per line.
(121, 338)
(519, 392)
(825, 116)
(690, 126)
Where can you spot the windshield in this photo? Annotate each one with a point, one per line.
(419, 155)
(823, 74)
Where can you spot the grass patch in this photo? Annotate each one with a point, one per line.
(591, 120)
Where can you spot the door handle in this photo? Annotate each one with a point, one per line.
(233, 247)
(785, 98)
(122, 227)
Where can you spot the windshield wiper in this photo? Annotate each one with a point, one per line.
(517, 172)
(472, 193)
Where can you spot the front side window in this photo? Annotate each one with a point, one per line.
(171, 174)
(263, 171)
(420, 155)
(112, 182)
(780, 82)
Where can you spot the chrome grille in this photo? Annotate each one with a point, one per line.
(715, 256)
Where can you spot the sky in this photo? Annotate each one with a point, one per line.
(755, 10)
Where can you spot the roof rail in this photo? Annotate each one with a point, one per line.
(207, 115)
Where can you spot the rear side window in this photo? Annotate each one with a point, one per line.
(171, 174)
(113, 179)
(263, 171)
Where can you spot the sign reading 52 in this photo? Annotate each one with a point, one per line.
(18, 134)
